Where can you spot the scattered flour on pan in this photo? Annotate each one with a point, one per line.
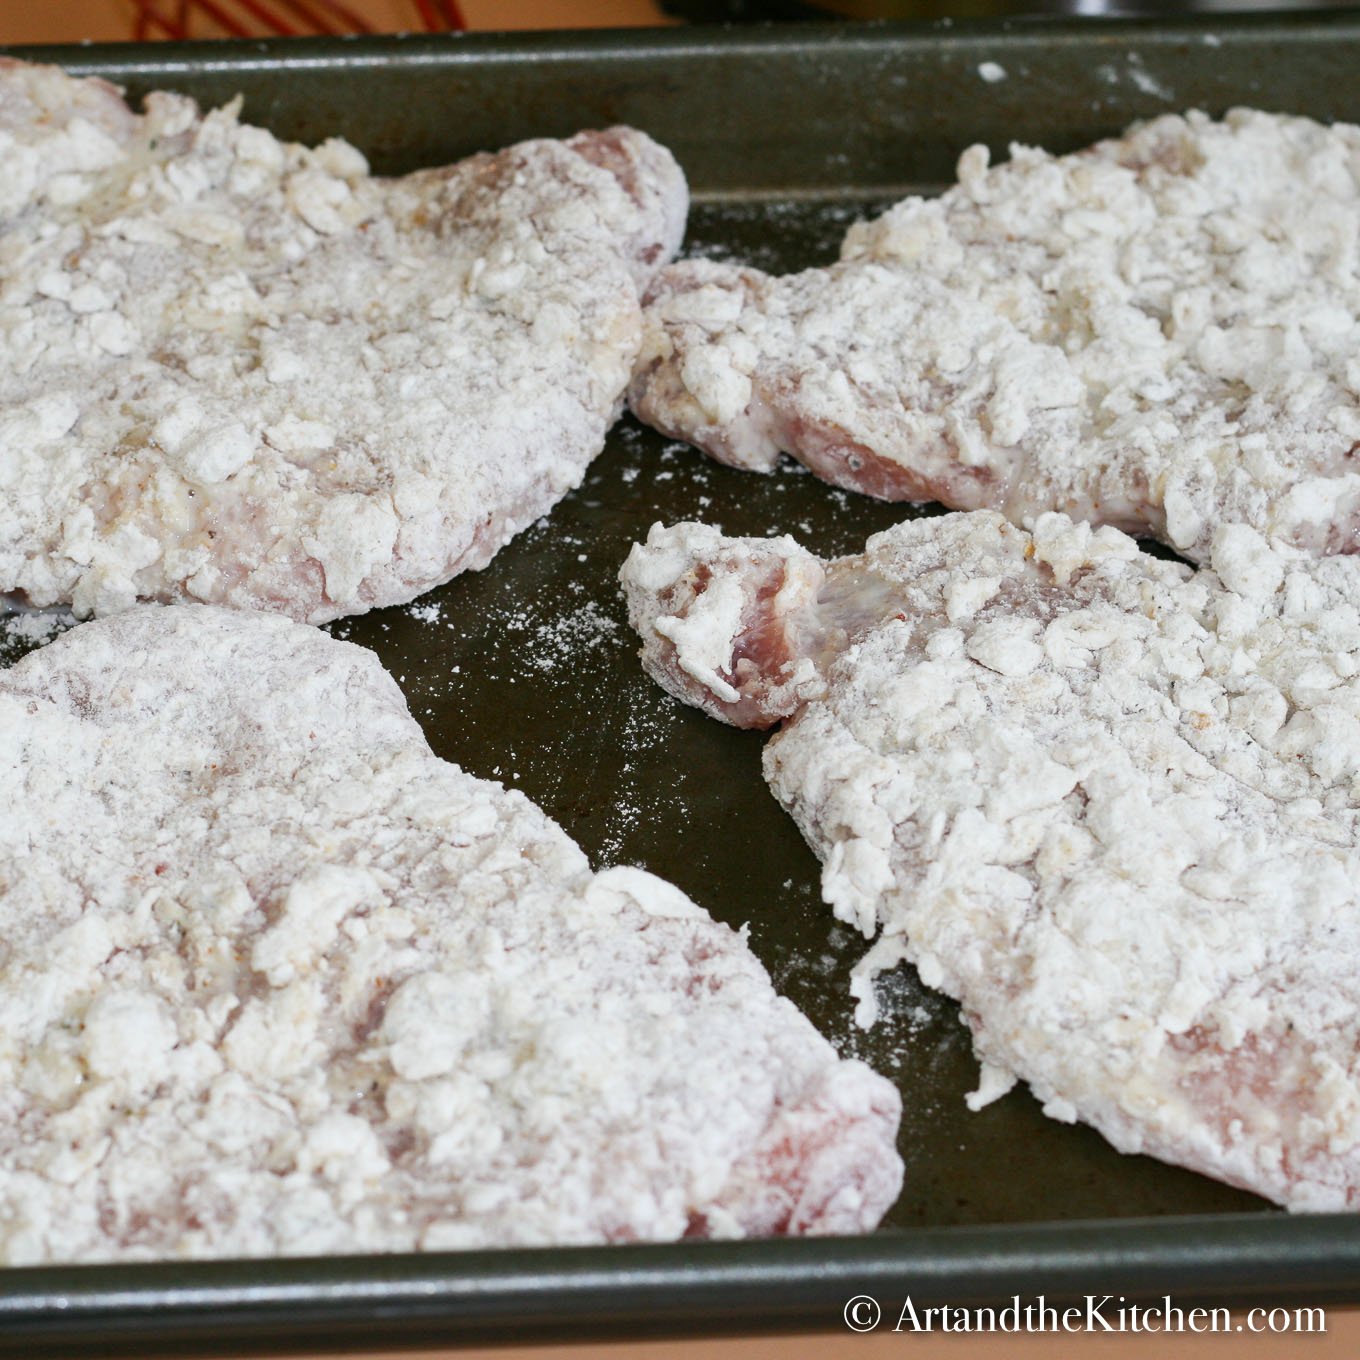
(1145, 81)
(561, 640)
(770, 236)
(21, 632)
(425, 611)
(638, 798)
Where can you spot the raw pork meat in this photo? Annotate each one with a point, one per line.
(1107, 804)
(1161, 333)
(278, 980)
(245, 372)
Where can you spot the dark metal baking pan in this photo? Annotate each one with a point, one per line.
(526, 672)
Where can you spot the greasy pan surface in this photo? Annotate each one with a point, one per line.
(526, 672)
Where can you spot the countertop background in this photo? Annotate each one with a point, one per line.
(116, 20)
(1342, 1339)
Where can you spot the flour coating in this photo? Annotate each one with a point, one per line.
(274, 979)
(244, 372)
(1161, 333)
(1107, 804)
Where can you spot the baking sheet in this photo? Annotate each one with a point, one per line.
(526, 672)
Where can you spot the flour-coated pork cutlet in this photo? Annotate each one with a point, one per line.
(1107, 804)
(1161, 333)
(240, 371)
(274, 979)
